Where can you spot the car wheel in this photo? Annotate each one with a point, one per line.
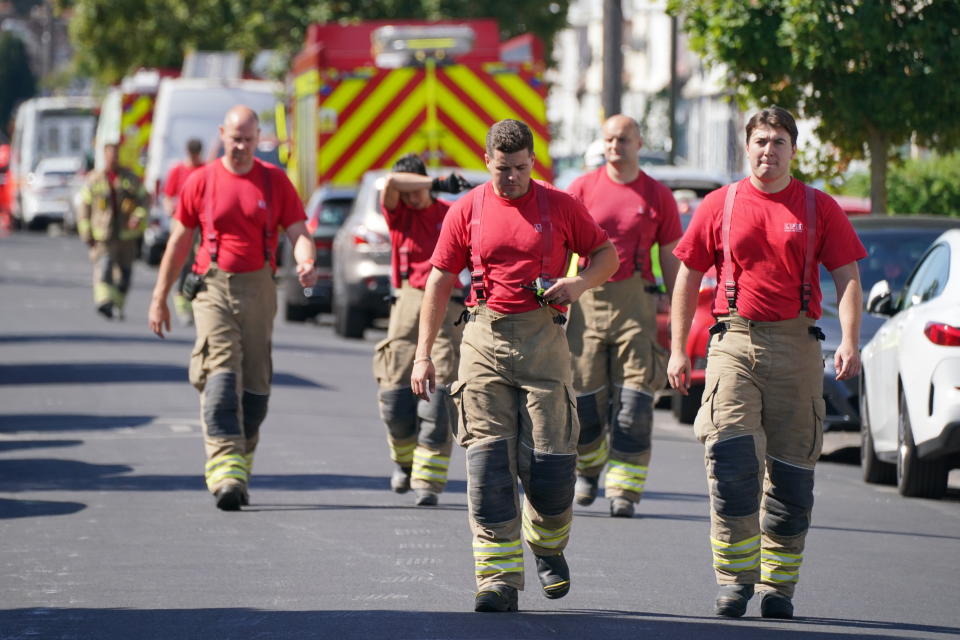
(296, 313)
(685, 408)
(916, 478)
(874, 470)
(349, 322)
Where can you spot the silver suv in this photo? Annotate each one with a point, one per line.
(361, 255)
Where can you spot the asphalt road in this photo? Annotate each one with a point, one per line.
(107, 532)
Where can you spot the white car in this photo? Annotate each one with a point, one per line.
(49, 193)
(910, 394)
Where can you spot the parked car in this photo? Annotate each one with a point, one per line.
(326, 210)
(361, 255)
(911, 376)
(893, 243)
(49, 192)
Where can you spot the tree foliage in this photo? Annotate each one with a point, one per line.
(877, 74)
(114, 37)
(15, 76)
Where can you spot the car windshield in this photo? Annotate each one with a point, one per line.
(891, 254)
(334, 211)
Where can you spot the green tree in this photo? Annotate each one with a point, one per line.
(114, 37)
(876, 74)
(15, 76)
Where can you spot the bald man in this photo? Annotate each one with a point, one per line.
(239, 204)
(617, 364)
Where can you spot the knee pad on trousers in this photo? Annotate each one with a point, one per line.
(552, 477)
(591, 420)
(221, 405)
(631, 428)
(736, 470)
(434, 418)
(789, 500)
(492, 485)
(398, 410)
(254, 412)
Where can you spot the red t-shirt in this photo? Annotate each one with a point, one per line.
(240, 213)
(511, 247)
(415, 230)
(768, 244)
(177, 177)
(636, 216)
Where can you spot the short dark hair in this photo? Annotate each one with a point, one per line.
(194, 146)
(774, 117)
(410, 163)
(509, 136)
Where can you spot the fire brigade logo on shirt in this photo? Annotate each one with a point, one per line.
(538, 228)
(793, 227)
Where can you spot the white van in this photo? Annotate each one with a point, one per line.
(193, 108)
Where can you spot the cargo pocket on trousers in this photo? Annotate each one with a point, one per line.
(705, 422)
(381, 355)
(457, 415)
(197, 372)
(573, 421)
(819, 412)
(658, 366)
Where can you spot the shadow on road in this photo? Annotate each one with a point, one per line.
(51, 474)
(163, 624)
(15, 445)
(150, 339)
(14, 422)
(35, 508)
(116, 372)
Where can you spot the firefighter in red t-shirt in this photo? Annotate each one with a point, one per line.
(238, 203)
(418, 436)
(618, 365)
(176, 178)
(513, 394)
(761, 420)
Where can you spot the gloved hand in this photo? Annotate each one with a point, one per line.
(453, 183)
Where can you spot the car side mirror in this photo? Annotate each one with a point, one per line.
(880, 299)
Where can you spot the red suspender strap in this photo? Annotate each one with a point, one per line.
(810, 262)
(270, 226)
(546, 229)
(211, 232)
(477, 280)
(638, 250)
(726, 271)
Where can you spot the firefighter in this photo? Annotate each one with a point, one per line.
(617, 364)
(513, 394)
(761, 420)
(238, 203)
(176, 178)
(418, 434)
(111, 220)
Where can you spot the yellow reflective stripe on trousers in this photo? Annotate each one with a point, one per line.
(542, 537)
(430, 467)
(402, 454)
(595, 458)
(248, 464)
(497, 557)
(734, 557)
(228, 467)
(730, 548)
(622, 475)
(779, 566)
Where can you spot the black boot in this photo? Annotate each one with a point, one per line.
(554, 575)
(732, 600)
(776, 605)
(426, 497)
(400, 479)
(621, 508)
(229, 497)
(585, 491)
(497, 598)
